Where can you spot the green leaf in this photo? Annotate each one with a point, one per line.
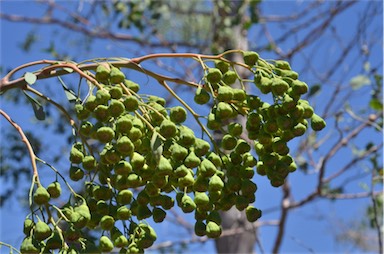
(30, 78)
(67, 69)
(71, 95)
(359, 81)
(376, 104)
(37, 107)
(156, 146)
(314, 89)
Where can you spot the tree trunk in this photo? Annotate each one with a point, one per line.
(244, 240)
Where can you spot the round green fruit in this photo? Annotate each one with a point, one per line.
(178, 114)
(41, 196)
(54, 189)
(105, 244)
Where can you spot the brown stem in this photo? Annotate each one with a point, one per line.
(25, 140)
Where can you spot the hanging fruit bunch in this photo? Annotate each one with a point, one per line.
(147, 160)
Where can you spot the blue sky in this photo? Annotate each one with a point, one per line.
(310, 228)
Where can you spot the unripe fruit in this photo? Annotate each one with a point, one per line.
(101, 113)
(132, 85)
(89, 162)
(241, 203)
(187, 204)
(86, 128)
(101, 192)
(299, 87)
(242, 147)
(201, 96)
(120, 242)
(264, 84)
(123, 213)
(102, 97)
(224, 110)
(181, 171)
(54, 242)
(131, 103)
(215, 183)
(76, 173)
(213, 230)
(105, 134)
(102, 72)
(284, 122)
(124, 197)
(250, 57)
(229, 77)
(116, 108)
(201, 184)
(202, 200)
(41, 196)
(228, 142)
(279, 86)
(213, 122)
(206, 168)
(299, 129)
(135, 134)
(158, 215)
(29, 245)
(222, 66)
(54, 190)
(164, 167)
(105, 244)
(107, 222)
(213, 75)
(123, 168)
(41, 231)
(284, 65)
(124, 146)
(317, 123)
(252, 213)
(168, 129)
(215, 159)
(247, 186)
(224, 93)
(178, 153)
(254, 102)
(186, 136)
(239, 95)
(91, 103)
(28, 226)
(116, 76)
(201, 146)
(235, 129)
(200, 228)
(178, 114)
(271, 126)
(308, 110)
(137, 161)
(143, 212)
(192, 161)
(116, 92)
(123, 124)
(75, 155)
(186, 180)
(233, 184)
(81, 112)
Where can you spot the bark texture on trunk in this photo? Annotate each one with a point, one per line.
(243, 241)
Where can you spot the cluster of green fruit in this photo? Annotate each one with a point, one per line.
(146, 160)
(270, 126)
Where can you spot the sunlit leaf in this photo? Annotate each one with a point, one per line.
(30, 78)
(359, 81)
